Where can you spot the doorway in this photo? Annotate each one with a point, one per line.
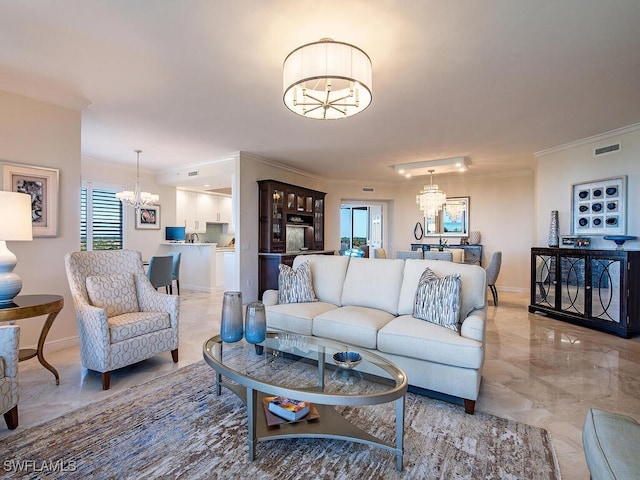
(361, 224)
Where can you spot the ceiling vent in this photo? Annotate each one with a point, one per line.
(193, 173)
(368, 189)
(616, 147)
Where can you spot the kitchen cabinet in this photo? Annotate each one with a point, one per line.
(598, 289)
(195, 209)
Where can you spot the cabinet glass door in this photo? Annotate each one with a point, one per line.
(605, 289)
(318, 220)
(572, 284)
(545, 273)
(276, 224)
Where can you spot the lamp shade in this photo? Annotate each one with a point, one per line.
(327, 80)
(15, 221)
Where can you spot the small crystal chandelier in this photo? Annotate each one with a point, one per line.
(430, 199)
(137, 198)
(327, 80)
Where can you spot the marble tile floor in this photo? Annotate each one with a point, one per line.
(538, 371)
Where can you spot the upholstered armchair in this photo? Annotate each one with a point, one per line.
(9, 352)
(121, 318)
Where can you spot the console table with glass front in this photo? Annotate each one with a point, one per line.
(29, 306)
(302, 367)
(598, 289)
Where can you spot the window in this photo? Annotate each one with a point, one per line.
(101, 219)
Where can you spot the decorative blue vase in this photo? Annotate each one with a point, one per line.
(231, 320)
(256, 323)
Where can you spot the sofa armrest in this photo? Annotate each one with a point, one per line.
(473, 327)
(270, 297)
(9, 349)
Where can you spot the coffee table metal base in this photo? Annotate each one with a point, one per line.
(330, 425)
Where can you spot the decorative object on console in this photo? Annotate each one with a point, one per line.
(599, 207)
(42, 185)
(327, 80)
(255, 330)
(137, 198)
(231, 320)
(554, 234)
(474, 237)
(15, 225)
(619, 240)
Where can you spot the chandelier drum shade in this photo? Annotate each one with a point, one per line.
(431, 199)
(137, 198)
(327, 80)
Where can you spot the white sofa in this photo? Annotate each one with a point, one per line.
(369, 303)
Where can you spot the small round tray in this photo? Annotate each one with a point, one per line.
(347, 360)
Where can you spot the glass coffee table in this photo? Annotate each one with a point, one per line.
(303, 368)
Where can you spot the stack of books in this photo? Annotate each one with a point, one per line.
(282, 409)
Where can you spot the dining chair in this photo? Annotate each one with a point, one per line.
(404, 254)
(493, 269)
(437, 255)
(379, 253)
(160, 272)
(175, 272)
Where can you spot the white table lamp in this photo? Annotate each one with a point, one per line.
(15, 225)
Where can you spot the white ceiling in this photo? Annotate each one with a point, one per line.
(191, 81)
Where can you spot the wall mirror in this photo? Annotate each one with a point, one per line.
(451, 221)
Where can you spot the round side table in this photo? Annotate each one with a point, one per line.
(29, 306)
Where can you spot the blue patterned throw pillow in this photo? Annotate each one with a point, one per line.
(295, 286)
(438, 299)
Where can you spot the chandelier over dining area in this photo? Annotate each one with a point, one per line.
(327, 80)
(431, 199)
(137, 198)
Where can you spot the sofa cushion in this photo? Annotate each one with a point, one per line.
(438, 299)
(295, 317)
(295, 285)
(353, 325)
(374, 283)
(327, 272)
(411, 337)
(609, 440)
(473, 278)
(116, 294)
(131, 325)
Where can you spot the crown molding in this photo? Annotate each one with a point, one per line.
(593, 139)
(28, 87)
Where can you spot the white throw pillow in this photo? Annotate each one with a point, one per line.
(438, 299)
(295, 286)
(116, 294)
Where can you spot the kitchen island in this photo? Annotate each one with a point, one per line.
(199, 269)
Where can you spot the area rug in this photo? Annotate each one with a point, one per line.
(176, 427)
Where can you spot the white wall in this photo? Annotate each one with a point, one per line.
(559, 168)
(35, 133)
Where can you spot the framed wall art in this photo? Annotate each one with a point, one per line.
(148, 218)
(42, 185)
(599, 207)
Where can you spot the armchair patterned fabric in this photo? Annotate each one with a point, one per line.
(143, 324)
(9, 353)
